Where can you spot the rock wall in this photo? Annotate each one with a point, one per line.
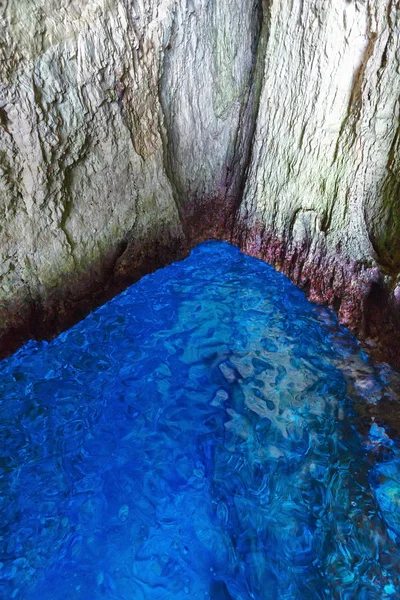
(120, 122)
(322, 199)
(130, 130)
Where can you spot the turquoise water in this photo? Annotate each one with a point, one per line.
(197, 437)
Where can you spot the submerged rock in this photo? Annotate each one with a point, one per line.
(121, 477)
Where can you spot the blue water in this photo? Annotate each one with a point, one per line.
(196, 437)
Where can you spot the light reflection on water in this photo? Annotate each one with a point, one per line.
(195, 437)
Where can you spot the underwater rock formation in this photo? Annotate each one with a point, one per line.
(131, 131)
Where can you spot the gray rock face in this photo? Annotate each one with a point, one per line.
(322, 195)
(131, 130)
(120, 122)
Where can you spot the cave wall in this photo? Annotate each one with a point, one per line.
(322, 197)
(131, 130)
(120, 121)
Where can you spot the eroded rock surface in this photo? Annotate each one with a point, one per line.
(129, 131)
(322, 196)
(120, 122)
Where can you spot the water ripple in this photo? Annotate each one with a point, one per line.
(207, 433)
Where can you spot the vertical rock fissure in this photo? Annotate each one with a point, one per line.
(252, 104)
(165, 131)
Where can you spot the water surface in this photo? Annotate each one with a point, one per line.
(205, 434)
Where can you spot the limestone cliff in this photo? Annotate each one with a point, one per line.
(120, 122)
(322, 199)
(130, 130)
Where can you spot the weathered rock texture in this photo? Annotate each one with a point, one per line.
(322, 200)
(121, 122)
(130, 130)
